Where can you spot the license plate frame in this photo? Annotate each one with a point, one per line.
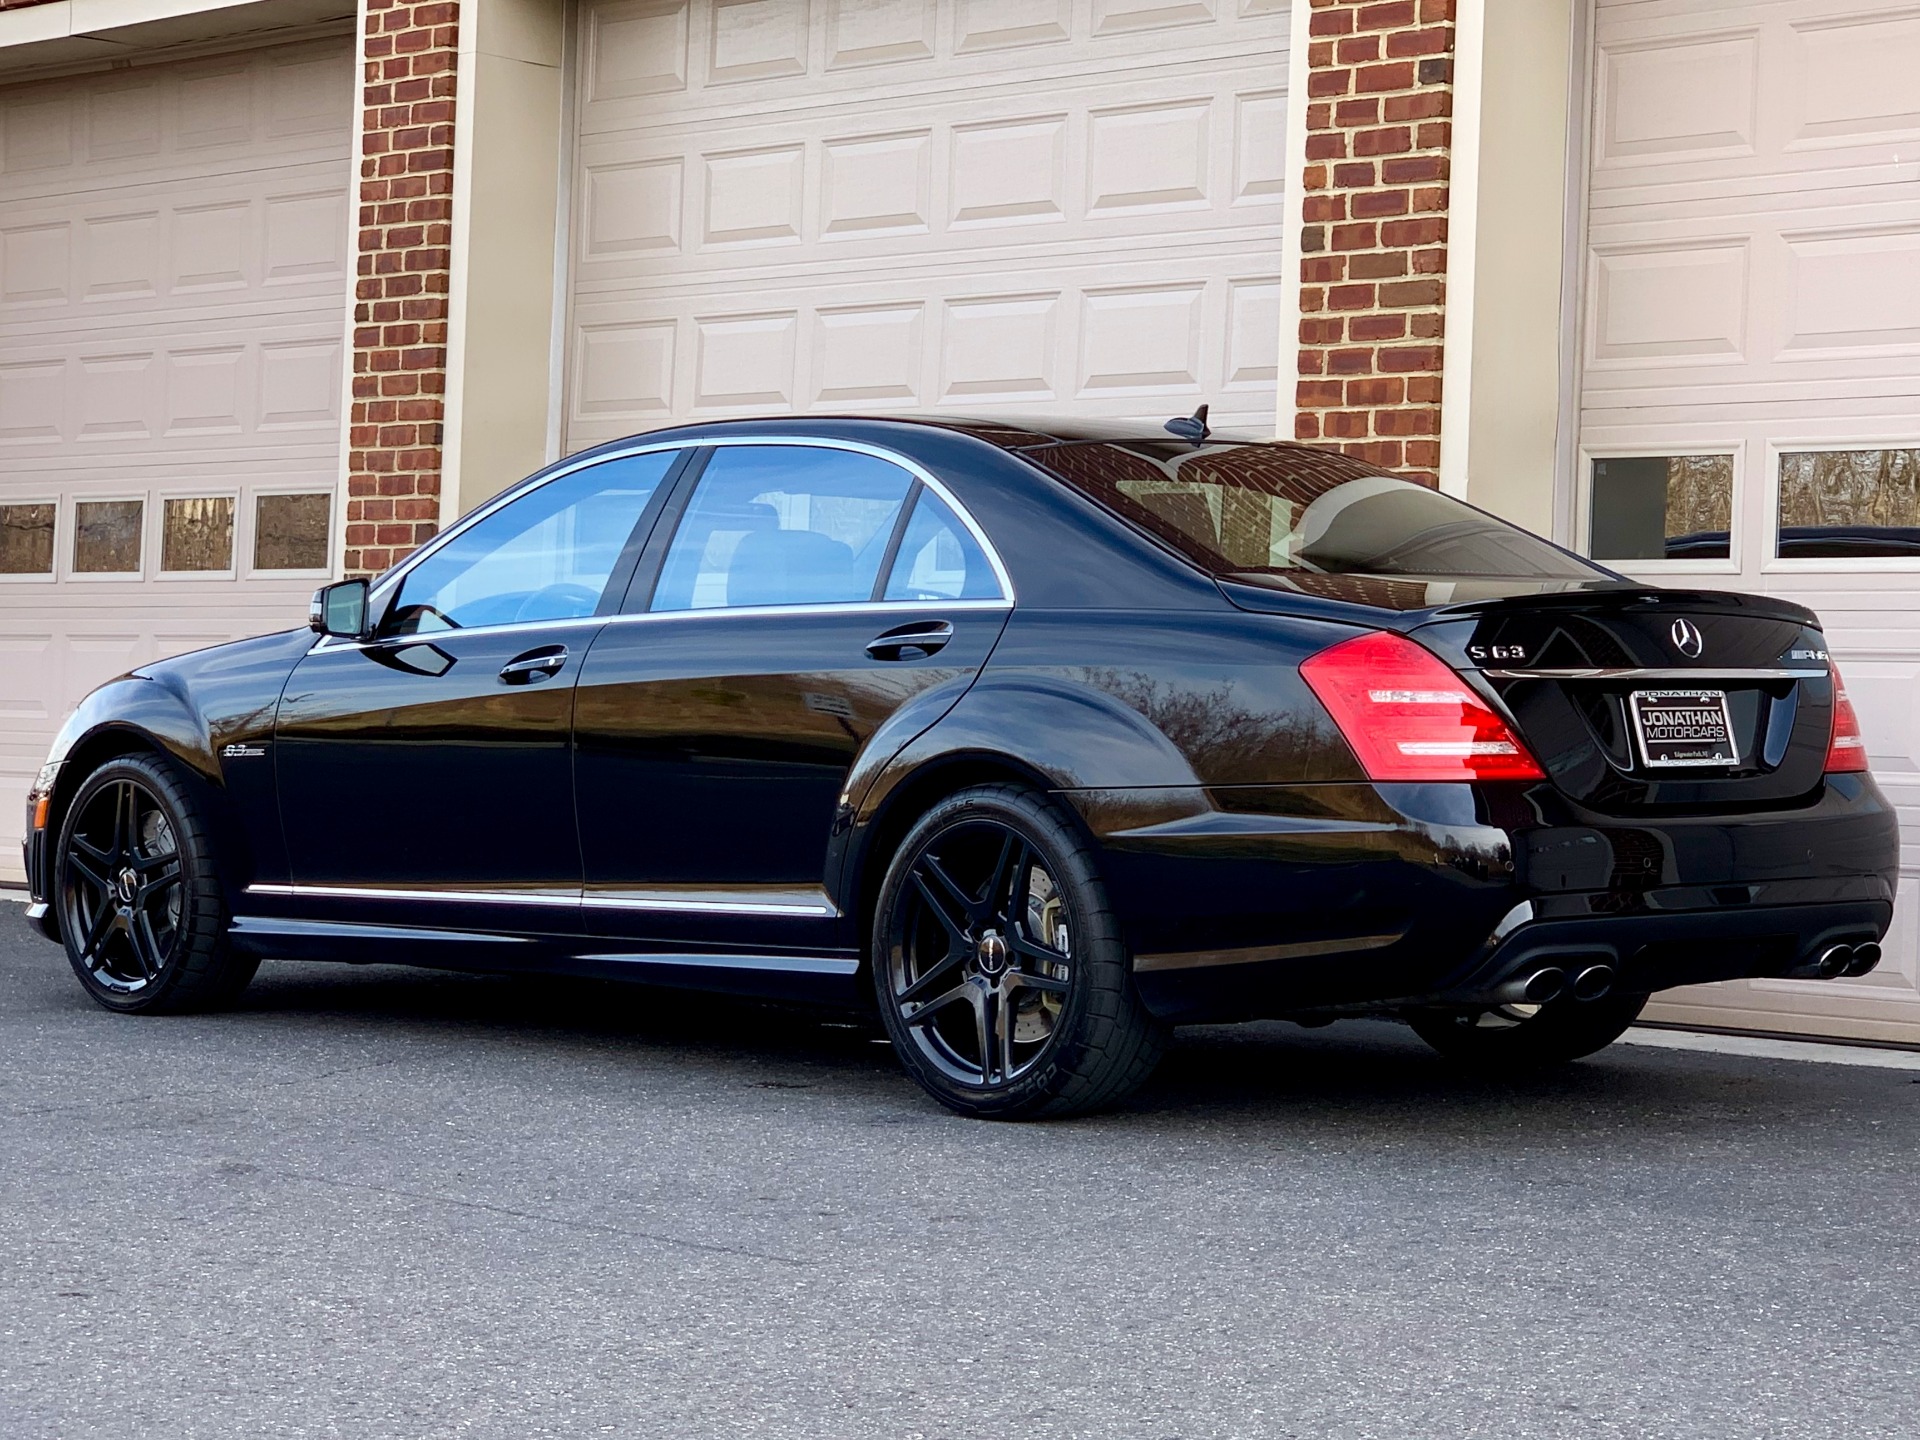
(1684, 752)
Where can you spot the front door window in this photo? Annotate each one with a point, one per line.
(546, 556)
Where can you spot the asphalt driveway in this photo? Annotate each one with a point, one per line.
(377, 1202)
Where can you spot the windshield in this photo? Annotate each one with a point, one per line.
(1273, 509)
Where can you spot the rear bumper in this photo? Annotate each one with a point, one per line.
(1648, 952)
(1357, 899)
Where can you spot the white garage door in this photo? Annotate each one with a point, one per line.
(172, 307)
(1030, 206)
(1751, 392)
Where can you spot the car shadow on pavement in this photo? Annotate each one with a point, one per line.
(1375, 1072)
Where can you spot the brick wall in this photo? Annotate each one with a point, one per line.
(1373, 270)
(400, 293)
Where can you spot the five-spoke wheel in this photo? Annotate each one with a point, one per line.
(998, 966)
(138, 896)
(981, 971)
(122, 897)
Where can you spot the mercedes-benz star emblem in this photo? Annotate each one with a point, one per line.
(1686, 638)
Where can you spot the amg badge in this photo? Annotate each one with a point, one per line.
(242, 752)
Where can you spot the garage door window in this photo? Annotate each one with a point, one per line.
(106, 536)
(196, 534)
(1845, 503)
(1662, 507)
(290, 532)
(26, 539)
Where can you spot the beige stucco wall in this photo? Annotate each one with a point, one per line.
(509, 113)
(1502, 413)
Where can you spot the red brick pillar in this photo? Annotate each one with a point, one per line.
(1373, 266)
(400, 293)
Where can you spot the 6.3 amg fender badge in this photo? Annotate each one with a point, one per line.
(242, 752)
(1687, 639)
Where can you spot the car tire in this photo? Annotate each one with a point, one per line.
(138, 893)
(998, 963)
(1515, 1039)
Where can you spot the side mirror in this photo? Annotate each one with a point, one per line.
(340, 609)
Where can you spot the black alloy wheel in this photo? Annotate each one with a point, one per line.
(999, 969)
(140, 909)
(1518, 1038)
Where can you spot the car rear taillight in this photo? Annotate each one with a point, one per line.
(1408, 717)
(1846, 750)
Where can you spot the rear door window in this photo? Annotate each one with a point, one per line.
(783, 525)
(938, 557)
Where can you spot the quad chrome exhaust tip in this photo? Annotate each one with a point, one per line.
(1834, 961)
(1550, 982)
(1593, 982)
(1545, 984)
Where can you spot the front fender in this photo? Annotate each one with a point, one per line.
(211, 713)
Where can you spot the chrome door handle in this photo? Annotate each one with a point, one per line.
(913, 641)
(534, 665)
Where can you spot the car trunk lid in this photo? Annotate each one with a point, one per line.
(1568, 661)
(1641, 699)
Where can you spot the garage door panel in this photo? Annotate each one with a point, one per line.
(895, 206)
(1703, 94)
(175, 121)
(703, 194)
(106, 260)
(226, 388)
(878, 342)
(173, 262)
(640, 60)
(1752, 278)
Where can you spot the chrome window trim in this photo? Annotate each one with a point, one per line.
(838, 607)
(382, 592)
(428, 637)
(1700, 673)
(573, 900)
(649, 617)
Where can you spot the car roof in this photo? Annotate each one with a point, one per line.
(1013, 434)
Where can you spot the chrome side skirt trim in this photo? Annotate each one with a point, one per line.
(692, 906)
(369, 892)
(267, 925)
(1258, 954)
(688, 905)
(780, 964)
(1704, 674)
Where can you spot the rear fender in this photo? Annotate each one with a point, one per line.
(1046, 732)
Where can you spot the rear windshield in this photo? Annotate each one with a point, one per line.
(1269, 509)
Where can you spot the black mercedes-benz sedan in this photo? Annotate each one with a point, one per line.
(1038, 740)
